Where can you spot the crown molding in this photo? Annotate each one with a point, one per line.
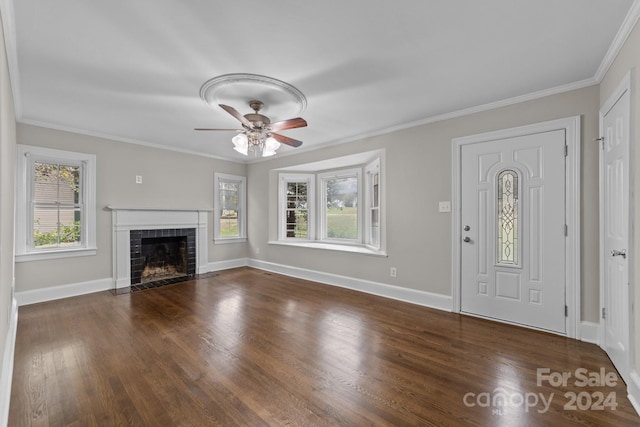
(110, 137)
(484, 107)
(621, 37)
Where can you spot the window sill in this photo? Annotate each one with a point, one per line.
(358, 249)
(223, 241)
(55, 254)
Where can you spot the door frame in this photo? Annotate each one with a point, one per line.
(571, 126)
(625, 85)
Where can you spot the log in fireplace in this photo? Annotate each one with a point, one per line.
(161, 257)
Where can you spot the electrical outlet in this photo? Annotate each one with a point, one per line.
(444, 206)
(393, 272)
(138, 179)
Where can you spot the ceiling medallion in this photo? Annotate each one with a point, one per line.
(281, 100)
(259, 133)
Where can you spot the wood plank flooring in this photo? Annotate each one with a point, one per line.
(251, 348)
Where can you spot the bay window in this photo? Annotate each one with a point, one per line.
(338, 209)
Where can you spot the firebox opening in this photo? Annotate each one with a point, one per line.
(164, 258)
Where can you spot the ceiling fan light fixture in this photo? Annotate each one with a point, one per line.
(241, 143)
(270, 147)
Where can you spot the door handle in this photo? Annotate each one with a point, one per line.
(622, 253)
(467, 239)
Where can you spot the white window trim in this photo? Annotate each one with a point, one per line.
(363, 245)
(242, 211)
(322, 184)
(283, 180)
(369, 170)
(27, 155)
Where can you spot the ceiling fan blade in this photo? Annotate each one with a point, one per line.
(298, 122)
(286, 140)
(235, 130)
(237, 115)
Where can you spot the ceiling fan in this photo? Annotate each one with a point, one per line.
(258, 132)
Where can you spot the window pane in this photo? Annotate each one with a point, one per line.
(56, 206)
(56, 227)
(508, 217)
(55, 183)
(342, 210)
(297, 214)
(376, 197)
(229, 224)
(229, 198)
(374, 209)
(297, 195)
(375, 227)
(297, 223)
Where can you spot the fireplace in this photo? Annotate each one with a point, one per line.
(162, 256)
(166, 234)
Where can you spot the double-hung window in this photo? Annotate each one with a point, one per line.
(372, 206)
(338, 209)
(55, 204)
(297, 219)
(230, 223)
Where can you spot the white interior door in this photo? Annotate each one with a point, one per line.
(615, 233)
(513, 219)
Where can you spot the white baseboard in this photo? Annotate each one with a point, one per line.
(633, 391)
(82, 288)
(225, 265)
(6, 374)
(590, 332)
(63, 291)
(427, 299)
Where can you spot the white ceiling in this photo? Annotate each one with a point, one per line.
(132, 70)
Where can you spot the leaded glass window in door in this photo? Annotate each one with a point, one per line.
(508, 217)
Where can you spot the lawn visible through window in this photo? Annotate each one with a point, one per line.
(342, 208)
(229, 192)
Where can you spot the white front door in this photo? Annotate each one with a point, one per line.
(513, 219)
(615, 233)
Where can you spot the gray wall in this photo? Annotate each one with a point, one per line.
(629, 60)
(418, 175)
(170, 180)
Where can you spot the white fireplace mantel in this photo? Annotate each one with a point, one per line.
(127, 219)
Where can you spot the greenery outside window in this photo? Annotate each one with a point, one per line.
(56, 204)
(229, 209)
(296, 207)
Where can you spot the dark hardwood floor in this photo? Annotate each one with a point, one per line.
(251, 348)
